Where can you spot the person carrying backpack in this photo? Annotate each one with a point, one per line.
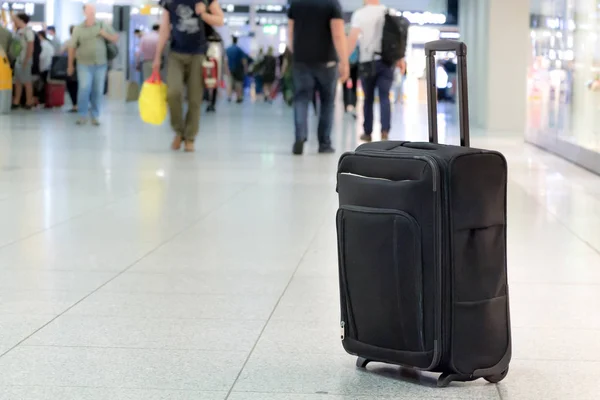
(382, 46)
(22, 49)
(350, 84)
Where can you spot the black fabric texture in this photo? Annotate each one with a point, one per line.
(383, 276)
(313, 43)
(463, 253)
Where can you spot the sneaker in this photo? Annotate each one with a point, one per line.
(95, 122)
(81, 121)
(15, 107)
(326, 150)
(298, 148)
(176, 145)
(366, 138)
(189, 146)
(385, 135)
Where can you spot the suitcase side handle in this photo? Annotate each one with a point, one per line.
(463, 92)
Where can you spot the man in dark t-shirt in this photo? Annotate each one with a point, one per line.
(184, 22)
(317, 39)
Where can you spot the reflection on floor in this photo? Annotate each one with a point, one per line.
(131, 272)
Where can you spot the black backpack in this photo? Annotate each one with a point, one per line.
(394, 38)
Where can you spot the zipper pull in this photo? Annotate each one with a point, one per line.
(343, 330)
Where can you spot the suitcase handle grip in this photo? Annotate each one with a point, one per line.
(446, 45)
(463, 92)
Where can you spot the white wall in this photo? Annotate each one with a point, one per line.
(498, 55)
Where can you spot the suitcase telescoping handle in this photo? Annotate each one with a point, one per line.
(463, 96)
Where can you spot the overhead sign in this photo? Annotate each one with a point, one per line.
(271, 9)
(424, 18)
(235, 8)
(36, 11)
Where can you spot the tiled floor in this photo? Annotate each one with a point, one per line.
(130, 272)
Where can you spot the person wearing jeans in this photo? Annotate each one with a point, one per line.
(317, 40)
(307, 79)
(185, 22)
(367, 24)
(91, 80)
(382, 79)
(88, 46)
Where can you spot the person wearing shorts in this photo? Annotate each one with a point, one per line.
(24, 63)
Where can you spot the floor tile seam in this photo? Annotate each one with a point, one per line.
(437, 393)
(262, 331)
(161, 389)
(558, 328)
(21, 193)
(558, 219)
(163, 318)
(164, 242)
(569, 284)
(144, 348)
(58, 270)
(499, 392)
(133, 318)
(43, 188)
(70, 219)
(197, 294)
(569, 165)
(556, 360)
(154, 319)
(238, 293)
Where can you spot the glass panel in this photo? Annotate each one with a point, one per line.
(564, 76)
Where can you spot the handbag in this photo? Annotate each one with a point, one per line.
(152, 100)
(133, 92)
(58, 68)
(112, 50)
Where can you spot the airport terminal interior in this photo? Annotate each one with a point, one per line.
(129, 271)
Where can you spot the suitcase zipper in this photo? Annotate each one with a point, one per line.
(432, 161)
(365, 177)
(343, 330)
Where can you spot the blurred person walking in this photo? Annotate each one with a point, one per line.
(237, 64)
(147, 52)
(367, 24)
(317, 40)
(48, 51)
(184, 22)
(350, 86)
(88, 46)
(23, 71)
(269, 72)
(54, 39)
(72, 85)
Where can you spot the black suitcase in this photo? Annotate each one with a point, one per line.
(422, 250)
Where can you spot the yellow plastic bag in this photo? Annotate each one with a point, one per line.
(6, 80)
(153, 100)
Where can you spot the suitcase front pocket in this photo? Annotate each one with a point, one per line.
(381, 277)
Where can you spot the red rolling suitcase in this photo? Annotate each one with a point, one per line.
(55, 94)
(422, 250)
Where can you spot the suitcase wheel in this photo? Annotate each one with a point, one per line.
(362, 362)
(497, 378)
